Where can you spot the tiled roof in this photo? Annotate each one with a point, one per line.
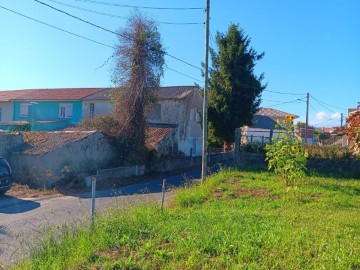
(156, 133)
(48, 94)
(261, 121)
(39, 143)
(9, 95)
(175, 92)
(168, 92)
(270, 112)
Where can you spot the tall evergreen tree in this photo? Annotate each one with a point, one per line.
(235, 91)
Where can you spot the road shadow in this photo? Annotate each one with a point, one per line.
(13, 205)
(154, 186)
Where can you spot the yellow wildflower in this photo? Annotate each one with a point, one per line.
(291, 117)
(294, 148)
(278, 121)
(306, 154)
(287, 117)
(285, 121)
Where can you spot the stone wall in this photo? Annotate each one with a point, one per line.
(77, 158)
(119, 173)
(337, 166)
(9, 141)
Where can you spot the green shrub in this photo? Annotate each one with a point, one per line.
(328, 151)
(254, 147)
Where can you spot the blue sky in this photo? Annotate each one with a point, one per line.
(310, 46)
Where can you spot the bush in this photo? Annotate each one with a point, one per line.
(255, 147)
(328, 151)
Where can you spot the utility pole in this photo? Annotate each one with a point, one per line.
(307, 117)
(341, 119)
(205, 102)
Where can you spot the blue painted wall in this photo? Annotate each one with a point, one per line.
(48, 110)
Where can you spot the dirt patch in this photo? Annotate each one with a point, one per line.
(259, 193)
(234, 179)
(24, 191)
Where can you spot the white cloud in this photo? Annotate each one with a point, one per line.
(326, 119)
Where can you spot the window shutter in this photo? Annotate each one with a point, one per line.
(24, 110)
(69, 110)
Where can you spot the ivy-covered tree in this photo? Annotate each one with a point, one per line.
(353, 132)
(139, 67)
(235, 90)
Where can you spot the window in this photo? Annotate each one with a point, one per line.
(92, 110)
(192, 115)
(155, 113)
(24, 110)
(65, 110)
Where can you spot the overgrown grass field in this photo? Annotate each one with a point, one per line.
(235, 220)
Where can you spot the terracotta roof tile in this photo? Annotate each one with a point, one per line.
(169, 92)
(12, 94)
(270, 112)
(40, 143)
(48, 94)
(155, 134)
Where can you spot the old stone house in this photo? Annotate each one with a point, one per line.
(178, 108)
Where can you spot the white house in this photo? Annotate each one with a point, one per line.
(6, 104)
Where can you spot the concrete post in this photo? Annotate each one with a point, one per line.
(237, 142)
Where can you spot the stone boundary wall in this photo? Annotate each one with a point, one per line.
(341, 166)
(8, 141)
(162, 166)
(119, 173)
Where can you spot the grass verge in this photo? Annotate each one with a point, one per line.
(235, 220)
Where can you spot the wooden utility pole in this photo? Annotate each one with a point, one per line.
(341, 119)
(205, 102)
(307, 117)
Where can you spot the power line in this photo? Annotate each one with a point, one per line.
(76, 35)
(321, 102)
(183, 74)
(326, 121)
(139, 7)
(286, 93)
(110, 31)
(120, 17)
(58, 28)
(286, 102)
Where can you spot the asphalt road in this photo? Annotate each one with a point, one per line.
(23, 221)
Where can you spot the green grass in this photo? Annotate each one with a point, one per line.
(235, 220)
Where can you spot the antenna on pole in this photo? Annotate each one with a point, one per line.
(205, 102)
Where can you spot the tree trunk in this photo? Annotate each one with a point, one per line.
(227, 146)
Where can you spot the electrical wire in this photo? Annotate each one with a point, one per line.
(286, 93)
(73, 34)
(335, 117)
(58, 28)
(120, 17)
(110, 31)
(286, 102)
(183, 74)
(139, 7)
(321, 102)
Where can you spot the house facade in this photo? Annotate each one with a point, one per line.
(44, 109)
(264, 126)
(179, 106)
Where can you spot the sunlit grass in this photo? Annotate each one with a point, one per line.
(235, 220)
